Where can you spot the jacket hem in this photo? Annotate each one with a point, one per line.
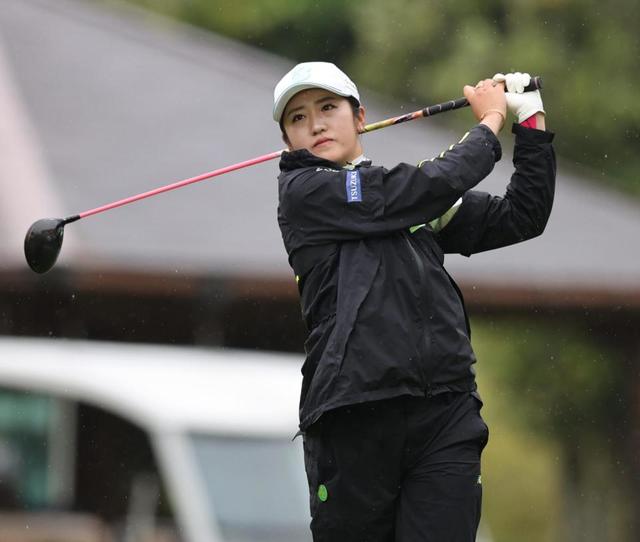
(380, 395)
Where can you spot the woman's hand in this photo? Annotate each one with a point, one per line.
(522, 104)
(488, 103)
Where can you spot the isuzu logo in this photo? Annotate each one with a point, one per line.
(354, 191)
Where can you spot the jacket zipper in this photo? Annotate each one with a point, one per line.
(421, 273)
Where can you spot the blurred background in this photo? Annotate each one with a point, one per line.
(101, 99)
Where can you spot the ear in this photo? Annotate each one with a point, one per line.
(360, 118)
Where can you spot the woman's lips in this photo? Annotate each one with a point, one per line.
(321, 142)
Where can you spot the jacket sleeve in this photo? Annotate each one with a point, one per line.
(321, 205)
(484, 222)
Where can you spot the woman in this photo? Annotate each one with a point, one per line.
(389, 409)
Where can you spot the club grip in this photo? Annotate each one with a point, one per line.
(535, 84)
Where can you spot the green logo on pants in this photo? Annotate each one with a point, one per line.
(323, 494)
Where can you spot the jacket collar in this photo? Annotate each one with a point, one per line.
(303, 158)
(361, 161)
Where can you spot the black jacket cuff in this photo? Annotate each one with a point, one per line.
(531, 135)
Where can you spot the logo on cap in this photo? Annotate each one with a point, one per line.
(300, 73)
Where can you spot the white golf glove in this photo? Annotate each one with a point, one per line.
(522, 104)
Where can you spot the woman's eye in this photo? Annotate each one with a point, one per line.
(297, 117)
(327, 107)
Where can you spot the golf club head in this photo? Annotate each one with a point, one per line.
(43, 242)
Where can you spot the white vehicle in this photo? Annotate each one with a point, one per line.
(111, 442)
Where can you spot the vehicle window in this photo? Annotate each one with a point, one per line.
(257, 487)
(72, 471)
(25, 427)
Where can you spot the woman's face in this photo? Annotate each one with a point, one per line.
(324, 124)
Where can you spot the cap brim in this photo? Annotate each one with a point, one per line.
(281, 104)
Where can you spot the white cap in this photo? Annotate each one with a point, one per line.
(311, 75)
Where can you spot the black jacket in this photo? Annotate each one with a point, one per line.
(385, 318)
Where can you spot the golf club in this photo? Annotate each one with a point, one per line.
(43, 240)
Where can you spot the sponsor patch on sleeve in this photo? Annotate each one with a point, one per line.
(354, 190)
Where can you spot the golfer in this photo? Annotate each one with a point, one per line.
(389, 410)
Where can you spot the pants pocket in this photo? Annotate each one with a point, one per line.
(483, 438)
(310, 444)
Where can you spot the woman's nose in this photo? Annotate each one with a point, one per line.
(317, 125)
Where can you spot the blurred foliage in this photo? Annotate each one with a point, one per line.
(521, 469)
(558, 452)
(424, 51)
(570, 387)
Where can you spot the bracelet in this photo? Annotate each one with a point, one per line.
(493, 111)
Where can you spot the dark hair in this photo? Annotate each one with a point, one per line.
(355, 106)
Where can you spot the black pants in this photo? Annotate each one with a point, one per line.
(405, 469)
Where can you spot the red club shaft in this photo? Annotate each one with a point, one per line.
(264, 158)
(180, 184)
(426, 112)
